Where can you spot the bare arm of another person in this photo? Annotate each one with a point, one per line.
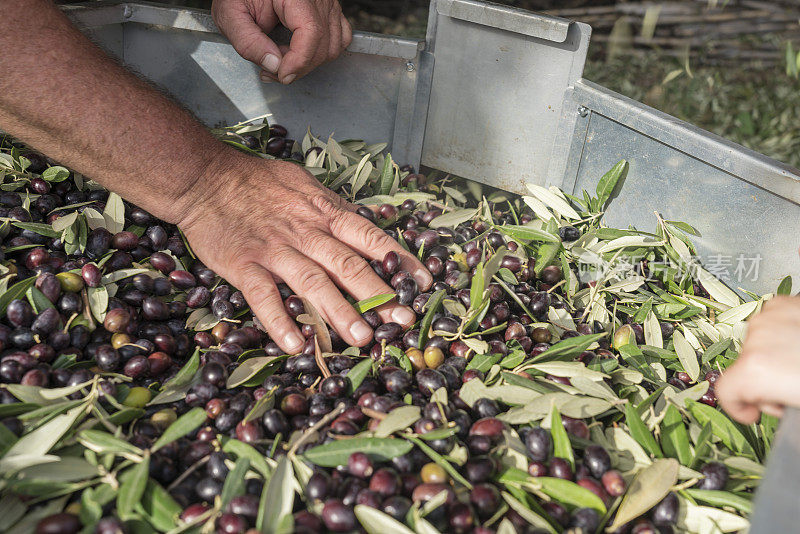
(246, 218)
(766, 377)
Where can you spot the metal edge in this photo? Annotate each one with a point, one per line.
(564, 166)
(747, 165)
(506, 18)
(93, 14)
(567, 126)
(412, 110)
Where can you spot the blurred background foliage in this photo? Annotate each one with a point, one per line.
(728, 66)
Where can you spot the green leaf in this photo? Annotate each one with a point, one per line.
(398, 419)
(387, 176)
(431, 308)
(716, 349)
(528, 233)
(721, 499)
(17, 291)
(566, 349)
(114, 213)
(248, 370)
(649, 488)
(243, 450)
(55, 174)
(373, 302)
(39, 228)
(38, 300)
(277, 499)
(640, 432)
(134, 482)
(358, 373)
(483, 362)
(562, 448)
(568, 492)
(674, 437)
(607, 184)
(721, 426)
(336, 453)
(102, 442)
(182, 426)
(158, 507)
(785, 287)
(234, 482)
(41, 440)
(176, 387)
(376, 522)
(686, 355)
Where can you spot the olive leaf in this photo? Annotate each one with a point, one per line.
(640, 432)
(358, 373)
(98, 302)
(398, 419)
(38, 300)
(431, 308)
(528, 233)
(454, 217)
(722, 499)
(527, 514)
(785, 287)
(182, 426)
(134, 482)
(562, 448)
(40, 441)
(114, 213)
(55, 174)
(376, 522)
(320, 328)
(568, 492)
(158, 507)
(686, 355)
(609, 181)
(234, 482)
(39, 228)
(241, 449)
(553, 201)
(365, 305)
(337, 452)
(277, 498)
(102, 443)
(253, 368)
(721, 426)
(17, 291)
(707, 519)
(674, 438)
(649, 488)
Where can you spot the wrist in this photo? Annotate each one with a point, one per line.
(219, 170)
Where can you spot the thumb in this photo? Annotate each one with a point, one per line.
(249, 40)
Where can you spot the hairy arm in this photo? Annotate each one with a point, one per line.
(249, 219)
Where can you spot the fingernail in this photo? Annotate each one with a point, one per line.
(423, 277)
(289, 79)
(293, 340)
(404, 316)
(360, 331)
(271, 63)
(266, 78)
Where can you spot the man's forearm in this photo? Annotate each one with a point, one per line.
(61, 94)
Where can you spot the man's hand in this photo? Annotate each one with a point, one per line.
(263, 219)
(766, 377)
(320, 33)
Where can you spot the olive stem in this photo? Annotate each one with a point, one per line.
(202, 461)
(316, 426)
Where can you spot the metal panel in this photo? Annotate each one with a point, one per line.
(497, 94)
(746, 221)
(371, 92)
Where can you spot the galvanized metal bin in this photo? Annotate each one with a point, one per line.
(493, 94)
